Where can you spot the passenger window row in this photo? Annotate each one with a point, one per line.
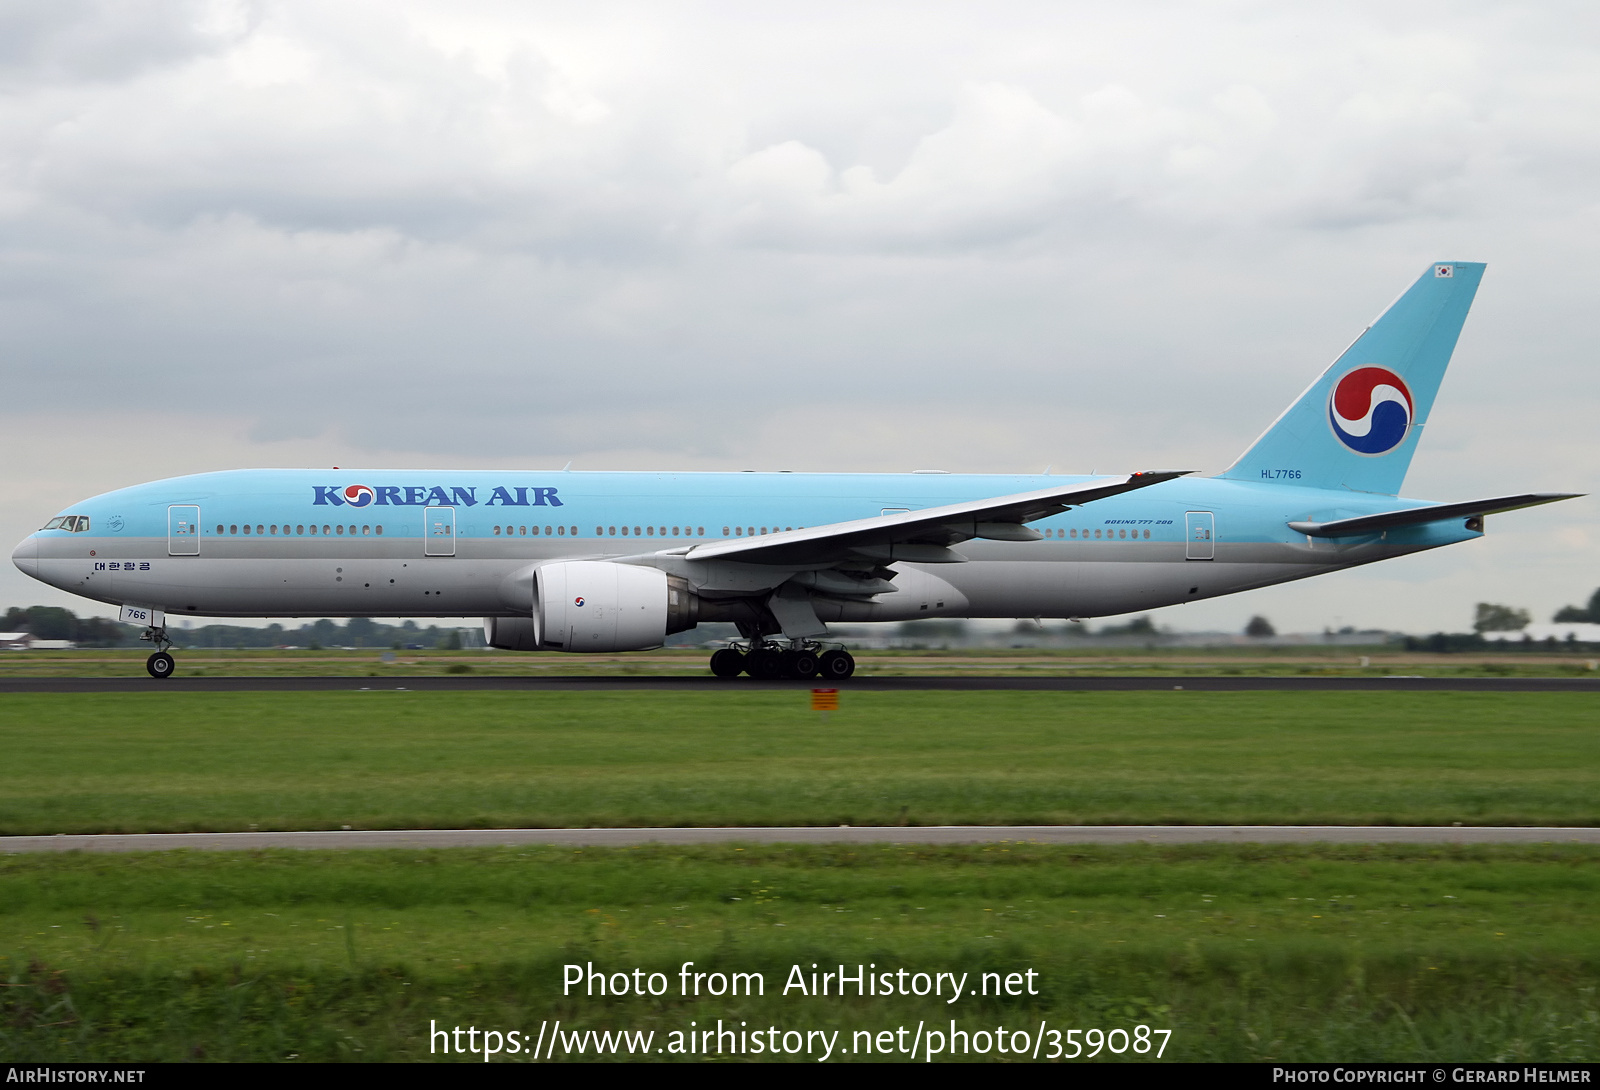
(1109, 534)
(80, 523)
(750, 531)
(298, 531)
(650, 531)
(532, 531)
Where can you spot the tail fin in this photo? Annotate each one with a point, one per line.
(1359, 423)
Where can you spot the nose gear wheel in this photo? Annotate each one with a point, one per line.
(160, 665)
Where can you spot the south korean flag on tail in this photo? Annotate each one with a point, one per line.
(1444, 272)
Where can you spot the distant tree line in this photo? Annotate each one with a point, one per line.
(356, 632)
(55, 623)
(1446, 643)
(1493, 617)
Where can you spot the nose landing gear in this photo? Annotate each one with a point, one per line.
(160, 665)
(801, 660)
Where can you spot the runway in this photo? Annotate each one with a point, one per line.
(645, 684)
(843, 834)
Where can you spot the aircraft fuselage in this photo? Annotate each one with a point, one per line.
(292, 543)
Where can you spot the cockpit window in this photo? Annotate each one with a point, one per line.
(55, 523)
(72, 523)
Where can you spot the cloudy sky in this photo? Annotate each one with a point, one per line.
(852, 237)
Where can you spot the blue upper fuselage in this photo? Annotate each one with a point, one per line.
(698, 506)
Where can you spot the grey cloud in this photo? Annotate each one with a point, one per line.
(317, 120)
(850, 237)
(110, 41)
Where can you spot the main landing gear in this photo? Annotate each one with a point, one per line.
(159, 665)
(801, 660)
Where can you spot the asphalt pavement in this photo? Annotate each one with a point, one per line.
(650, 683)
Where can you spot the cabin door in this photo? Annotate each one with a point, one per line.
(183, 531)
(439, 531)
(1202, 528)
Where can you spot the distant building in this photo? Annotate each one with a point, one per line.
(27, 641)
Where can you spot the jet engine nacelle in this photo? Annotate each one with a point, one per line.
(592, 605)
(511, 633)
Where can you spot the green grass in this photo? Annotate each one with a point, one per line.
(1246, 953)
(176, 762)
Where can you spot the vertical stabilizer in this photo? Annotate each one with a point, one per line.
(1359, 423)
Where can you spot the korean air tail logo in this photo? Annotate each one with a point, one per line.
(1371, 410)
(357, 495)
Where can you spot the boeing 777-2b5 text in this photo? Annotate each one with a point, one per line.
(618, 561)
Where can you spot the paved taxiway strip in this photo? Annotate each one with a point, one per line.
(637, 684)
(843, 834)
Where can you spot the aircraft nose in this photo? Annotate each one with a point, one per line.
(26, 557)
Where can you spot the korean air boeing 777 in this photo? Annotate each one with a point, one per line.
(582, 562)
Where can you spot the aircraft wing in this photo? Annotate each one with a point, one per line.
(923, 536)
(1412, 516)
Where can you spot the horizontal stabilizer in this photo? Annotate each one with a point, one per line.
(1415, 516)
(921, 536)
